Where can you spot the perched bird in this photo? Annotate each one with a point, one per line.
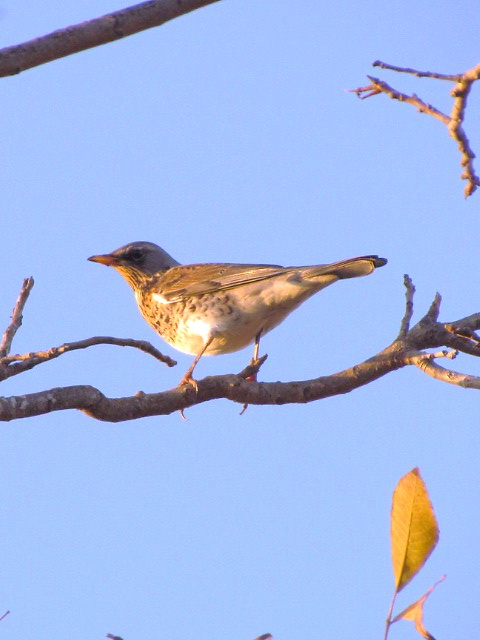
(210, 309)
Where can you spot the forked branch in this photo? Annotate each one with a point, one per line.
(453, 122)
(410, 347)
(13, 365)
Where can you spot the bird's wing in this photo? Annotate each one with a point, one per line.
(185, 281)
(179, 283)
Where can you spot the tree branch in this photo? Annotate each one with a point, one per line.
(406, 350)
(232, 387)
(17, 318)
(93, 33)
(407, 318)
(454, 122)
(451, 377)
(420, 74)
(13, 365)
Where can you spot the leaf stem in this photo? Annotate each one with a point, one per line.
(389, 616)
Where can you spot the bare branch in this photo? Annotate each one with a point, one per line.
(409, 293)
(17, 318)
(422, 359)
(434, 370)
(458, 335)
(378, 86)
(13, 365)
(454, 122)
(465, 329)
(408, 349)
(420, 74)
(460, 94)
(93, 33)
(232, 387)
(434, 310)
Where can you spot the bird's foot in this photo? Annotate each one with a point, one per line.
(253, 377)
(188, 380)
(244, 408)
(250, 374)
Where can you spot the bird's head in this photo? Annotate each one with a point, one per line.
(137, 260)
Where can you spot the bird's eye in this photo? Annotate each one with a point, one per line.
(136, 255)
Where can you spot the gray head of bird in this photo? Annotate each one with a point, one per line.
(136, 260)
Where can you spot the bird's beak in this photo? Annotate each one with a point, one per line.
(107, 259)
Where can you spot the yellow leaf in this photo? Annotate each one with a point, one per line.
(413, 528)
(415, 612)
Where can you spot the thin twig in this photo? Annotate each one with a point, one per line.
(253, 368)
(409, 293)
(454, 122)
(388, 621)
(423, 107)
(17, 317)
(434, 370)
(460, 94)
(419, 359)
(463, 330)
(455, 77)
(434, 310)
(13, 365)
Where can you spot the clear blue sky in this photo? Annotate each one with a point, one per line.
(227, 135)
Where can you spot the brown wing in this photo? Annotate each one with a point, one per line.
(184, 281)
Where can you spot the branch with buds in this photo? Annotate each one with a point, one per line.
(453, 122)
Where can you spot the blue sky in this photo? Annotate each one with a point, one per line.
(228, 135)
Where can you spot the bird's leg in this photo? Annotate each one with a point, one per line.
(187, 378)
(256, 347)
(254, 359)
(253, 362)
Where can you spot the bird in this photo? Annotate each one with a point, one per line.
(210, 309)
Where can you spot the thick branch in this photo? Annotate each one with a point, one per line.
(232, 387)
(93, 33)
(407, 349)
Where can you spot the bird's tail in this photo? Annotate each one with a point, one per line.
(353, 268)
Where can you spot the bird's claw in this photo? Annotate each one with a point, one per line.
(255, 363)
(189, 381)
